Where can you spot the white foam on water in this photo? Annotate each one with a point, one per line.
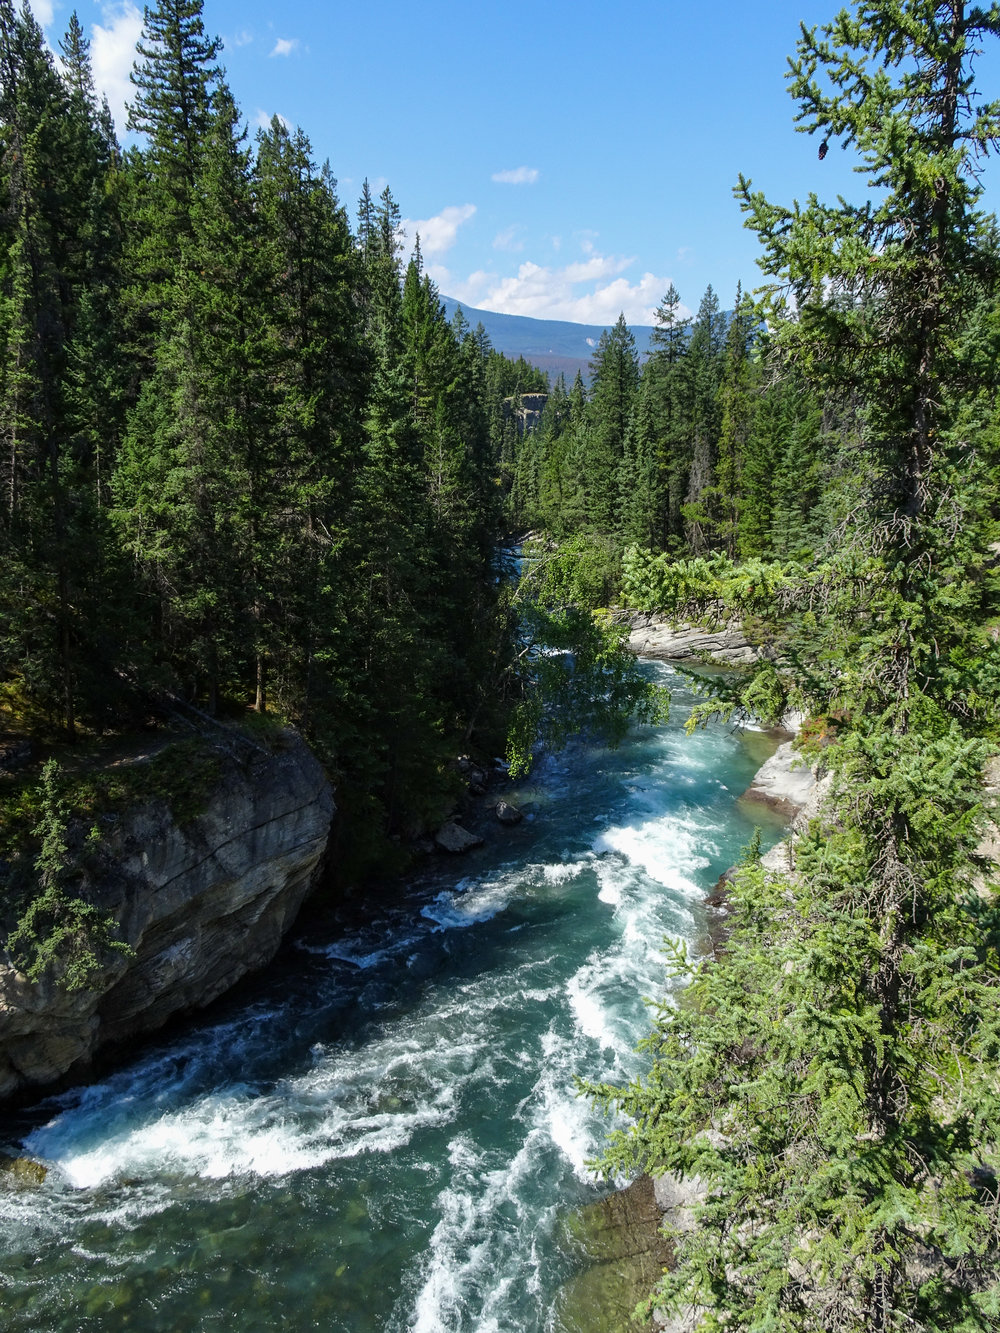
(368, 1101)
(470, 904)
(562, 871)
(478, 1262)
(351, 952)
(669, 848)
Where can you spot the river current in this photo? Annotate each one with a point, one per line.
(382, 1134)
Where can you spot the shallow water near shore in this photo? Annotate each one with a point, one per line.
(383, 1133)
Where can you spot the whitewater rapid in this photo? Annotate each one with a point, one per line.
(384, 1132)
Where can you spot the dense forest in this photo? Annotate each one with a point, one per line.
(249, 467)
(703, 448)
(247, 463)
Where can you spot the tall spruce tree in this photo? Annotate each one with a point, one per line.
(702, 375)
(614, 384)
(173, 101)
(174, 80)
(666, 371)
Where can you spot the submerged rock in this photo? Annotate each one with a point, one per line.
(625, 1253)
(22, 1173)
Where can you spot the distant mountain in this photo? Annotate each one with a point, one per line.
(554, 345)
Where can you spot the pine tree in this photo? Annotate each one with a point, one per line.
(702, 376)
(173, 102)
(667, 374)
(723, 502)
(174, 83)
(642, 476)
(318, 382)
(614, 384)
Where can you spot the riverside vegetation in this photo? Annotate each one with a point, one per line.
(249, 468)
(833, 1080)
(249, 463)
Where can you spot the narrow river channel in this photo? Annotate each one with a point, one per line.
(383, 1133)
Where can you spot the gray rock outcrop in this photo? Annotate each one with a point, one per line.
(201, 904)
(526, 411)
(785, 782)
(653, 636)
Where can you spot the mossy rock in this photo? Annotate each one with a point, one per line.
(623, 1255)
(21, 1173)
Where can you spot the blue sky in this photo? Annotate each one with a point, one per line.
(562, 160)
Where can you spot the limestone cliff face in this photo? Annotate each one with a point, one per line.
(201, 904)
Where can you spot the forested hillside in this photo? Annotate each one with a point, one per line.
(710, 445)
(246, 460)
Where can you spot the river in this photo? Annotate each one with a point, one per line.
(382, 1133)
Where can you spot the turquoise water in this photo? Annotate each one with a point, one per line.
(383, 1133)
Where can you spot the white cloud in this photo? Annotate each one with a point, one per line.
(112, 55)
(554, 293)
(242, 38)
(43, 10)
(595, 268)
(437, 234)
(516, 176)
(263, 120)
(507, 239)
(440, 276)
(284, 46)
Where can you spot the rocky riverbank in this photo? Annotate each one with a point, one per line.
(201, 902)
(660, 639)
(621, 1241)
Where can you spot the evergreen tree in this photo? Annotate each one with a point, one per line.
(173, 102)
(666, 371)
(174, 82)
(642, 476)
(701, 380)
(57, 260)
(614, 384)
(724, 501)
(318, 380)
(843, 1053)
(76, 62)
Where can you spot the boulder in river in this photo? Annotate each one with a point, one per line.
(21, 1173)
(508, 814)
(624, 1254)
(451, 837)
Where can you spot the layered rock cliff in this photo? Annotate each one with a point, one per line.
(658, 638)
(201, 903)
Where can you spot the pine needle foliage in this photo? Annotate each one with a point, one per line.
(833, 1079)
